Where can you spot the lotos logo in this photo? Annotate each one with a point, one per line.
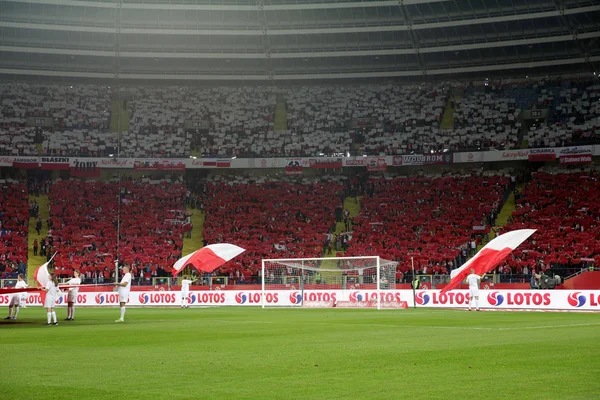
(192, 299)
(99, 299)
(495, 299)
(144, 298)
(241, 298)
(576, 299)
(59, 300)
(159, 298)
(356, 296)
(422, 298)
(295, 298)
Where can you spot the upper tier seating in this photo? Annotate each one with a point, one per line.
(81, 113)
(483, 120)
(359, 119)
(576, 118)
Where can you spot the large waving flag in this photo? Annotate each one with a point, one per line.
(208, 258)
(490, 256)
(41, 274)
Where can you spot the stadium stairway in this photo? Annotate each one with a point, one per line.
(280, 123)
(502, 219)
(506, 211)
(448, 116)
(351, 205)
(119, 113)
(35, 261)
(195, 242)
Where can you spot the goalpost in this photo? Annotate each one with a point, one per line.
(339, 280)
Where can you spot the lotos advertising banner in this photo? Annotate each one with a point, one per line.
(570, 300)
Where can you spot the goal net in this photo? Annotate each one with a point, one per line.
(330, 282)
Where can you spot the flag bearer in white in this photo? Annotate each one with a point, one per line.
(52, 293)
(15, 300)
(72, 296)
(473, 280)
(124, 288)
(185, 292)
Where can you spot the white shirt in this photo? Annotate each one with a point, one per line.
(473, 280)
(74, 281)
(185, 285)
(19, 285)
(52, 290)
(124, 290)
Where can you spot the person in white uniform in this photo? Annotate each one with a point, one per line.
(15, 300)
(52, 293)
(185, 291)
(473, 280)
(124, 288)
(72, 295)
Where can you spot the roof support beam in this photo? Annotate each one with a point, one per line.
(300, 31)
(349, 75)
(268, 53)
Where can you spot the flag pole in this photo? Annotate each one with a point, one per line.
(412, 262)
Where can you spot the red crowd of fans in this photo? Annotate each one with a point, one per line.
(270, 220)
(84, 220)
(14, 225)
(564, 209)
(431, 220)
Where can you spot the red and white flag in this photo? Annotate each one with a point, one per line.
(41, 274)
(208, 258)
(490, 256)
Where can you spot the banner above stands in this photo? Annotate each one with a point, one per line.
(90, 166)
(543, 154)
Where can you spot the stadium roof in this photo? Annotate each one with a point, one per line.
(293, 40)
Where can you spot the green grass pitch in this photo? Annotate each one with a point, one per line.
(249, 353)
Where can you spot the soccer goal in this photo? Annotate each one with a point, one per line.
(329, 282)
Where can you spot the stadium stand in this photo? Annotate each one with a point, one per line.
(575, 117)
(564, 209)
(270, 218)
(432, 220)
(84, 219)
(80, 117)
(484, 120)
(14, 226)
(383, 119)
(239, 121)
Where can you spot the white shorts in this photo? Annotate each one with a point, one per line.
(71, 298)
(184, 295)
(15, 300)
(50, 301)
(123, 298)
(474, 293)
